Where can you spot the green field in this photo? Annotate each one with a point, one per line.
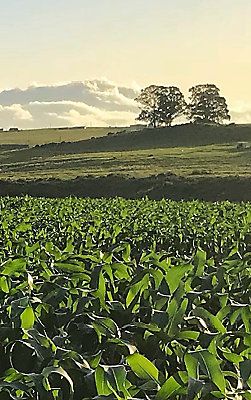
(50, 135)
(211, 160)
(182, 162)
(189, 150)
(118, 300)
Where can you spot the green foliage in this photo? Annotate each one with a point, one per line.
(160, 105)
(206, 105)
(116, 299)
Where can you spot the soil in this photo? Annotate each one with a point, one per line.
(167, 186)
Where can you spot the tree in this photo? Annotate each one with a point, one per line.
(172, 105)
(160, 105)
(206, 105)
(149, 101)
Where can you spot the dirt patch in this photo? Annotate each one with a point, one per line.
(155, 187)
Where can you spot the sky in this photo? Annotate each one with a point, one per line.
(125, 43)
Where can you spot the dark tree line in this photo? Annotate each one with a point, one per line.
(160, 105)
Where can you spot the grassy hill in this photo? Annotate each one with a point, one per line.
(187, 135)
(187, 152)
(211, 160)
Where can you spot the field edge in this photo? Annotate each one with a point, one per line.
(169, 186)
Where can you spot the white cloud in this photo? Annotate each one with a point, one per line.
(98, 118)
(76, 113)
(110, 93)
(95, 102)
(14, 115)
(19, 113)
(241, 112)
(241, 117)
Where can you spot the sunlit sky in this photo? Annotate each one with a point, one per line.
(172, 42)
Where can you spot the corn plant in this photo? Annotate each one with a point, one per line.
(118, 299)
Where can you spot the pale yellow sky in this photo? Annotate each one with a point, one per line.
(181, 42)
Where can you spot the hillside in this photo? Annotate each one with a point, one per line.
(201, 160)
(187, 135)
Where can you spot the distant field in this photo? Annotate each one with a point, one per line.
(43, 136)
(186, 151)
(211, 160)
